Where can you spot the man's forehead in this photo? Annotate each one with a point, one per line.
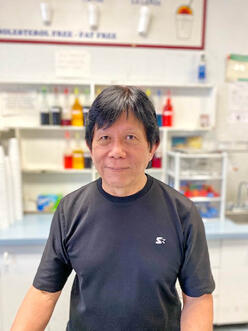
(127, 120)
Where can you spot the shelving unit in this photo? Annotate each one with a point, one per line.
(209, 170)
(42, 147)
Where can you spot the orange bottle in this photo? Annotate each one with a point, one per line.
(77, 154)
(77, 118)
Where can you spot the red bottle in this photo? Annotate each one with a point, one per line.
(67, 152)
(157, 160)
(168, 112)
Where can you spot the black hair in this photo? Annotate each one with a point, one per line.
(112, 102)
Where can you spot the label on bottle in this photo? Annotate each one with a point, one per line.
(202, 72)
(167, 113)
(77, 155)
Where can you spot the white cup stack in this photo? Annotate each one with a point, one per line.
(4, 207)
(10, 190)
(15, 168)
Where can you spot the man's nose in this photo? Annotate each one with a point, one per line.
(117, 149)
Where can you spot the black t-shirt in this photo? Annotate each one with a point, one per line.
(127, 253)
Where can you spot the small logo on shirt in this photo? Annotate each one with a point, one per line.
(160, 241)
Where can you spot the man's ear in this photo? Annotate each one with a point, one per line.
(153, 150)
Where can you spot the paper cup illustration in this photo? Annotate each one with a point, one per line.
(184, 22)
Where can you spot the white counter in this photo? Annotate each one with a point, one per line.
(34, 230)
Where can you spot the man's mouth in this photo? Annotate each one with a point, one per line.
(117, 168)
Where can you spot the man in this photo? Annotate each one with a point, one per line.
(128, 236)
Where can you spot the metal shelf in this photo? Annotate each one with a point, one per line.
(153, 84)
(194, 177)
(196, 155)
(50, 127)
(175, 176)
(154, 170)
(206, 199)
(58, 171)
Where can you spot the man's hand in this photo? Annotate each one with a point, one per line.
(35, 310)
(197, 313)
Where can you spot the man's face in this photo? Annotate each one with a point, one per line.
(121, 154)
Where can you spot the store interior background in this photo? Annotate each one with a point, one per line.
(226, 32)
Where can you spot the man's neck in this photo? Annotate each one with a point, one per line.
(124, 191)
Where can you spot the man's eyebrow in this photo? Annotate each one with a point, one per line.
(129, 129)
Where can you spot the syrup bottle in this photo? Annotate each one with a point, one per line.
(66, 111)
(86, 107)
(157, 99)
(55, 111)
(77, 111)
(77, 154)
(44, 108)
(202, 69)
(67, 152)
(167, 116)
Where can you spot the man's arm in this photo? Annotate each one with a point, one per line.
(35, 310)
(197, 313)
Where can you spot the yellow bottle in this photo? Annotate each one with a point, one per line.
(77, 111)
(77, 154)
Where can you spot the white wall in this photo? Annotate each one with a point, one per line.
(227, 27)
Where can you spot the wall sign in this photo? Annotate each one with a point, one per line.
(237, 102)
(129, 23)
(237, 68)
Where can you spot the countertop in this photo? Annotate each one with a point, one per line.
(34, 230)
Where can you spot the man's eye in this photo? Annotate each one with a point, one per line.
(104, 139)
(131, 137)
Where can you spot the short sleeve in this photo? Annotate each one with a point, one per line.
(195, 275)
(55, 266)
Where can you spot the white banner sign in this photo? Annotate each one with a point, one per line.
(134, 23)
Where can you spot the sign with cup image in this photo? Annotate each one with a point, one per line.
(123, 23)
